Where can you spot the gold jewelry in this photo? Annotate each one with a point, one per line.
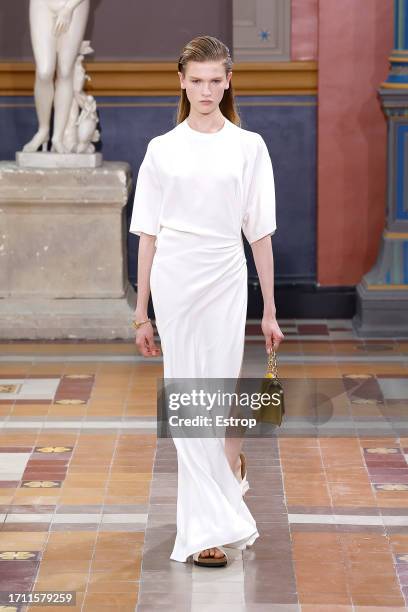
(137, 324)
(272, 369)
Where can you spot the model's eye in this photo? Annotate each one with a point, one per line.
(217, 81)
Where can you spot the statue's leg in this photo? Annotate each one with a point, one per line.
(45, 54)
(68, 46)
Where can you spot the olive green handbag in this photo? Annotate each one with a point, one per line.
(272, 411)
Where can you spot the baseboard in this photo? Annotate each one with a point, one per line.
(300, 300)
(305, 301)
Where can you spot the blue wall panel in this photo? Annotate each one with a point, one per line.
(287, 123)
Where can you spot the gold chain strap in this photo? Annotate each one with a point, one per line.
(272, 370)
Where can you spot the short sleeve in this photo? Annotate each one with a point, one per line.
(148, 197)
(260, 216)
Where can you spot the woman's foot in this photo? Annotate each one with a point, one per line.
(212, 552)
(211, 557)
(241, 473)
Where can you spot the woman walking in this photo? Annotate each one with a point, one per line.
(198, 186)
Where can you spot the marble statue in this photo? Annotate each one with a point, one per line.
(80, 130)
(57, 29)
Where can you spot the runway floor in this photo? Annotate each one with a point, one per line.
(88, 490)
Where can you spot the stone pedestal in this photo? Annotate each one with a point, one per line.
(382, 295)
(63, 263)
(380, 314)
(58, 160)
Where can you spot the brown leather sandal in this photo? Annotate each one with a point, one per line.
(211, 561)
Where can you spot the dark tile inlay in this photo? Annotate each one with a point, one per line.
(74, 387)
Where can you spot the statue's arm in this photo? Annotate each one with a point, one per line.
(72, 4)
(64, 16)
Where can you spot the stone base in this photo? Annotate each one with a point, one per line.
(64, 232)
(58, 160)
(63, 271)
(381, 313)
(54, 319)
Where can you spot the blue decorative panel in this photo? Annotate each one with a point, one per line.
(402, 170)
(405, 258)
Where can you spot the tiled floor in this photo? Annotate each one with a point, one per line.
(88, 493)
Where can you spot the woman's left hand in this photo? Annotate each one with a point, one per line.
(271, 331)
(63, 21)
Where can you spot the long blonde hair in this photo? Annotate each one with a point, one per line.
(203, 49)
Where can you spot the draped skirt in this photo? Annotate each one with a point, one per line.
(199, 292)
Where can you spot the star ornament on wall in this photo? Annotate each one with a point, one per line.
(264, 34)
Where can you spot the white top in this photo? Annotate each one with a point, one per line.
(208, 183)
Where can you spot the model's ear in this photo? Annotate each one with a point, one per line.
(181, 77)
(229, 75)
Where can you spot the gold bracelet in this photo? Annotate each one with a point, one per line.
(136, 324)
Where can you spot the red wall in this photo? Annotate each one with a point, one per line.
(305, 15)
(355, 38)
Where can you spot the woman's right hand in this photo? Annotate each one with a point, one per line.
(145, 341)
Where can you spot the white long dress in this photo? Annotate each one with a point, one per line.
(195, 191)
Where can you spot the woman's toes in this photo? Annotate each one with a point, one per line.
(212, 552)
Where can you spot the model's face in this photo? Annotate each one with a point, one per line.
(205, 83)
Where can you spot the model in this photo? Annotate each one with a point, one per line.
(198, 186)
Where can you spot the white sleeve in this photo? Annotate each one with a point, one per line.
(148, 197)
(260, 216)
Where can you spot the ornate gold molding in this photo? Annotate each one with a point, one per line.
(160, 78)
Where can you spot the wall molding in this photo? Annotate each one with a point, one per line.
(160, 78)
(261, 30)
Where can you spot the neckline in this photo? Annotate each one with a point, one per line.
(205, 134)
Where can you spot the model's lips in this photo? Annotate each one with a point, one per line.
(206, 101)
